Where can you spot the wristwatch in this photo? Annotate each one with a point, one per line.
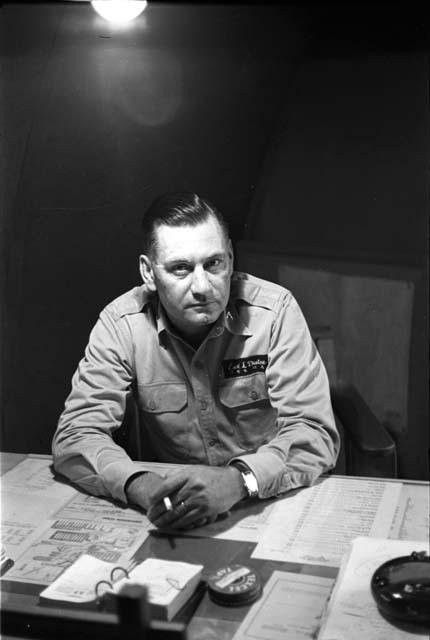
(249, 479)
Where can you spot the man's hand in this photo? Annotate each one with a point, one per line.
(198, 494)
(142, 487)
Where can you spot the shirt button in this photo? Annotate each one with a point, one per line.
(151, 406)
(212, 443)
(203, 405)
(254, 395)
(218, 331)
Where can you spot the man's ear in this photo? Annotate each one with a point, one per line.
(147, 273)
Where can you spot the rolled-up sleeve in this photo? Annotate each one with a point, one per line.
(306, 443)
(83, 449)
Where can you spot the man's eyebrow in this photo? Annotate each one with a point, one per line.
(218, 254)
(173, 261)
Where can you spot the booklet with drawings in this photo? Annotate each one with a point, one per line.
(89, 581)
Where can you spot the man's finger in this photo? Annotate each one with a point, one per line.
(169, 515)
(157, 509)
(169, 485)
(183, 516)
(198, 523)
(156, 512)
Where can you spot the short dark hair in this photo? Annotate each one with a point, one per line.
(177, 210)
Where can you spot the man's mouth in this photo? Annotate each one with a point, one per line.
(200, 305)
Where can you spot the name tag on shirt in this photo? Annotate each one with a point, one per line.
(244, 366)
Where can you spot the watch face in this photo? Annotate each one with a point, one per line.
(249, 480)
(245, 484)
(250, 483)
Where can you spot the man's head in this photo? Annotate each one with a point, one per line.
(188, 260)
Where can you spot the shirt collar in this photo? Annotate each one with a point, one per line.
(234, 322)
(163, 323)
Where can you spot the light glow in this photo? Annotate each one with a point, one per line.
(119, 11)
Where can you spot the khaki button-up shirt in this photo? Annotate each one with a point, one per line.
(256, 390)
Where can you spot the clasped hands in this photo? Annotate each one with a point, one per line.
(198, 494)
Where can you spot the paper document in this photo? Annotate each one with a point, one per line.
(240, 524)
(243, 522)
(33, 475)
(411, 520)
(290, 608)
(46, 524)
(29, 497)
(85, 507)
(16, 537)
(315, 525)
(63, 541)
(352, 612)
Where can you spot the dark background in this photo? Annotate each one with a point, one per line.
(97, 120)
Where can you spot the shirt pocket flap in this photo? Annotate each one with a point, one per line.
(162, 398)
(244, 390)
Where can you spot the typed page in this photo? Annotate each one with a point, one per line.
(315, 525)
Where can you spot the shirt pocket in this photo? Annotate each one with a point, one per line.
(167, 397)
(246, 402)
(238, 392)
(164, 420)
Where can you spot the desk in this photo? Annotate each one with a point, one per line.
(210, 620)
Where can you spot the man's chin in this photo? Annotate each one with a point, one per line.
(202, 317)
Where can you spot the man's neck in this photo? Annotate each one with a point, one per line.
(194, 339)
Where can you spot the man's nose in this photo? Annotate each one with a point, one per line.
(200, 283)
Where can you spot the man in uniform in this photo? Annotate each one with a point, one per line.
(223, 370)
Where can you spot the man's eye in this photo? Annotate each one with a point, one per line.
(180, 269)
(215, 264)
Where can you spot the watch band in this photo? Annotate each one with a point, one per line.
(249, 480)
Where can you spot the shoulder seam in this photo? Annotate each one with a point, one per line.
(258, 292)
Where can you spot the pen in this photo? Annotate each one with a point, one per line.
(168, 503)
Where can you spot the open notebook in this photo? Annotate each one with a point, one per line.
(88, 580)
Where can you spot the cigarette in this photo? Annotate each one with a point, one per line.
(168, 503)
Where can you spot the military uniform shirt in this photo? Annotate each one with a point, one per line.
(255, 390)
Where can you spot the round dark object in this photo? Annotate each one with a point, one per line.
(401, 588)
(234, 585)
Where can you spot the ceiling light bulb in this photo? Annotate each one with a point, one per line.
(119, 10)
